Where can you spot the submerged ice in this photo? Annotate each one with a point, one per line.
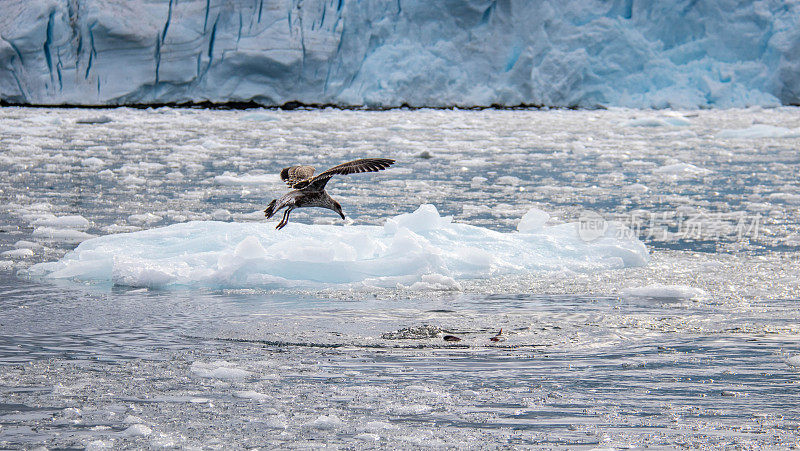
(419, 250)
(683, 53)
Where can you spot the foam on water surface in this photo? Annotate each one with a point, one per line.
(420, 250)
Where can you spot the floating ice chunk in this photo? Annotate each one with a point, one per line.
(420, 247)
(680, 171)
(636, 188)
(645, 122)
(138, 430)
(145, 218)
(219, 369)
(533, 221)
(326, 422)
(99, 444)
(77, 222)
(507, 180)
(61, 235)
(18, 253)
(230, 179)
(657, 122)
(221, 214)
(93, 162)
(254, 395)
(410, 409)
(788, 198)
(659, 291)
(94, 120)
(6, 265)
(794, 361)
(436, 282)
(367, 437)
(760, 131)
(259, 117)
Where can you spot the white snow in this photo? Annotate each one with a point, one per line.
(568, 53)
(660, 291)
(421, 250)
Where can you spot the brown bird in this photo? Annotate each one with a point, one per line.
(309, 190)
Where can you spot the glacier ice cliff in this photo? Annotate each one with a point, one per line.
(681, 53)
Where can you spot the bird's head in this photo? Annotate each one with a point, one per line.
(338, 209)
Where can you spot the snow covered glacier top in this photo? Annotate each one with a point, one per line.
(681, 53)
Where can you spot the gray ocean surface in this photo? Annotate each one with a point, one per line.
(698, 349)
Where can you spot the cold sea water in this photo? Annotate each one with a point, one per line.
(690, 340)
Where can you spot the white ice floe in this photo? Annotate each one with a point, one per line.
(760, 131)
(660, 291)
(411, 250)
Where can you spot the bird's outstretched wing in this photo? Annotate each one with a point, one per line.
(351, 167)
(294, 176)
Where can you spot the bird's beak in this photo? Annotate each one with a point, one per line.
(341, 214)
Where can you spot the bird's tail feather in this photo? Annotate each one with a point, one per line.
(270, 209)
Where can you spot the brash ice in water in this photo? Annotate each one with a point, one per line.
(642, 265)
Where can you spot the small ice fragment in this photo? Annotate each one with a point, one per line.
(221, 215)
(138, 430)
(146, 218)
(794, 361)
(60, 235)
(22, 244)
(681, 171)
(93, 162)
(250, 394)
(17, 253)
(660, 291)
(219, 369)
(77, 222)
(326, 422)
(94, 120)
(367, 437)
(533, 221)
(759, 131)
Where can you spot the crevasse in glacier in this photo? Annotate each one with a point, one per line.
(683, 53)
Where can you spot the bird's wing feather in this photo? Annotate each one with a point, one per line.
(294, 175)
(351, 167)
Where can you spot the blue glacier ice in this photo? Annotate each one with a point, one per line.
(681, 54)
(420, 250)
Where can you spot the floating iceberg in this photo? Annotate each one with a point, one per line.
(419, 250)
(681, 53)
